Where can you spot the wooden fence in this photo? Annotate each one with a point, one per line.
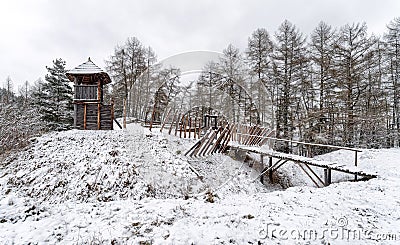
(179, 124)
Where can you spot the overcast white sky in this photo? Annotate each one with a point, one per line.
(35, 32)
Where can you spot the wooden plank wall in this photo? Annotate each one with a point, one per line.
(106, 117)
(86, 92)
(92, 113)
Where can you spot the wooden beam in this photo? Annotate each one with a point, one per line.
(99, 91)
(308, 175)
(180, 125)
(316, 175)
(197, 144)
(265, 170)
(355, 164)
(218, 141)
(202, 140)
(165, 119)
(262, 165)
(327, 176)
(172, 123)
(112, 114)
(226, 140)
(98, 116)
(177, 123)
(270, 172)
(195, 127)
(208, 142)
(185, 124)
(84, 116)
(190, 126)
(124, 122)
(200, 127)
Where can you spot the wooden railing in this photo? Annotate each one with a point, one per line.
(86, 92)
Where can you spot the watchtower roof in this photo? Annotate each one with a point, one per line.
(86, 68)
(89, 68)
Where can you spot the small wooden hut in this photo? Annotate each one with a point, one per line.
(89, 110)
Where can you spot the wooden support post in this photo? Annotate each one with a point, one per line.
(98, 116)
(185, 127)
(236, 132)
(245, 132)
(327, 176)
(355, 164)
(99, 91)
(240, 134)
(315, 175)
(195, 127)
(172, 124)
(180, 126)
(270, 142)
(165, 119)
(305, 171)
(190, 126)
(112, 114)
(202, 141)
(218, 143)
(177, 124)
(262, 165)
(260, 137)
(164, 114)
(231, 135)
(84, 115)
(226, 141)
(200, 127)
(195, 146)
(208, 143)
(270, 171)
(124, 122)
(256, 134)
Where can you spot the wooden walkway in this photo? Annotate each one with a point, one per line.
(244, 138)
(304, 163)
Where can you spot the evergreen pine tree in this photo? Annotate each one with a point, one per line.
(57, 107)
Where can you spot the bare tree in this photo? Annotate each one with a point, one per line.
(351, 49)
(9, 90)
(258, 55)
(126, 66)
(321, 49)
(24, 91)
(231, 65)
(288, 56)
(392, 38)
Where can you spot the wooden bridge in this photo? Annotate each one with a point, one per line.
(304, 163)
(223, 136)
(249, 139)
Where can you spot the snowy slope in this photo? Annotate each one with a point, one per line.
(135, 186)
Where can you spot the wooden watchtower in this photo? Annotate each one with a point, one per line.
(89, 110)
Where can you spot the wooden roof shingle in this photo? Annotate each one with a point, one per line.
(89, 68)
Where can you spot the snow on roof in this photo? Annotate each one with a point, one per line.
(89, 68)
(86, 68)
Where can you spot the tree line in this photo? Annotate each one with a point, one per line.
(42, 107)
(336, 86)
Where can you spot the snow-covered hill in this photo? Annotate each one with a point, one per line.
(136, 186)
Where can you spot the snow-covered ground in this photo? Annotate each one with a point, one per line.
(134, 186)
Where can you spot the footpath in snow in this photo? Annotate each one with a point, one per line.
(134, 186)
